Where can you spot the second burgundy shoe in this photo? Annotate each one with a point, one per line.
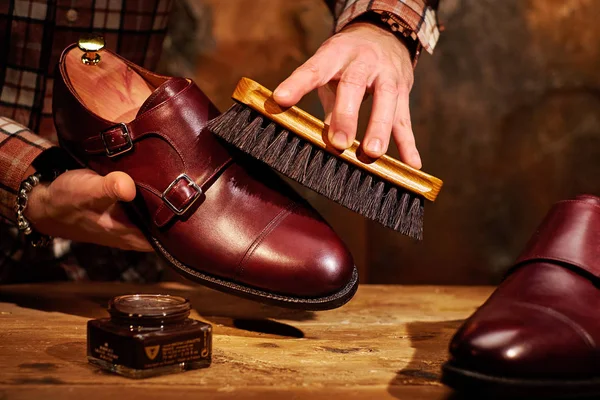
(215, 217)
(538, 335)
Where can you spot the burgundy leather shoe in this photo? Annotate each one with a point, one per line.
(538, 335)
(214, 216)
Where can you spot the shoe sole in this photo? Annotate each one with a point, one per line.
(328, 302)
(486, 386)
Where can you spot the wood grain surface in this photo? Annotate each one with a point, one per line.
(110, 89)
(388, 342)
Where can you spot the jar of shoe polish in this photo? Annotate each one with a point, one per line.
(148, 335)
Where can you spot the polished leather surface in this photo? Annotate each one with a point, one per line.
(245, 224)
(543, 321)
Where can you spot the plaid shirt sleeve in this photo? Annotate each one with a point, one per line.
(32, 35)
(417, 15)
(19, 147)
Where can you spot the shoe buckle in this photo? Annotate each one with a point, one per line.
(190, 202)
(124, 148)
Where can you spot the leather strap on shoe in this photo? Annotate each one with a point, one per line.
(180, 191)
(111, 142)
(178, 198)
(570, 234)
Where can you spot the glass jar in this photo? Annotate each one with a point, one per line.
(148, 335)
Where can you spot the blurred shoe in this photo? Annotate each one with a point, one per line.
(213, 216)
(538, 335)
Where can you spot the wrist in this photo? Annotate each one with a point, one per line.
(31, 208)
(36, 210)
(383, 22)
(30, 171)
(383, 35)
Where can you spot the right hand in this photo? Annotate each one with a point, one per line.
(361, 58)
(83, 206)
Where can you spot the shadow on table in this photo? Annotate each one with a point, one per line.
(90, 300)
(430, 341)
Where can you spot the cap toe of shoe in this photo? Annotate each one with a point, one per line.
(300, 256)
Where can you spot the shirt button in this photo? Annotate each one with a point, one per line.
(72, 15)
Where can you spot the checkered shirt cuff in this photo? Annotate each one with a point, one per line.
(19, 147)
(414, 15)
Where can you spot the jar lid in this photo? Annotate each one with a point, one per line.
(149, 306)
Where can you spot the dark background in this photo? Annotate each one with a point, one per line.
(506, 112)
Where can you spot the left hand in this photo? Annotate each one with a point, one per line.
(84, 206)
(361, 58)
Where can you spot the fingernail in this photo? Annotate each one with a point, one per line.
(281, 92)
(374, 146)
(339, 139)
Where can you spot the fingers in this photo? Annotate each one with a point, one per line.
(134, 240)
(327, 97)
(403, 134)
(350, 92)
(118, 186)
(314, 73)
(137, 242)
(385, 99)
(120, 232)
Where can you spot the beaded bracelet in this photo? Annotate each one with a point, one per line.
(36, 238)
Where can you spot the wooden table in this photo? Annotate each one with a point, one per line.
(388, 342)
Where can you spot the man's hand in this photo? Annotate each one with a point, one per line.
(361, 58)
(83, 206)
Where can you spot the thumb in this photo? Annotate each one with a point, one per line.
(118, 186)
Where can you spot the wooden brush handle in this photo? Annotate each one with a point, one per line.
(314, 130)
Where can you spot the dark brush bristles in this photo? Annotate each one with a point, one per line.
(350, 192)
(276, 148)
(389, 205)
(284, 162)
(247, 139)
(314, 171)
(300, 164)
(339, 183)
(408, 226)
(333, 177)
(372, 198)
(400, 212)
(328, 175)
(364, 192)
(265, 136)
(229, 124)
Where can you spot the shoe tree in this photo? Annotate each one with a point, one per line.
(104, 82)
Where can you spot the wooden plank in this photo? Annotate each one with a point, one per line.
(194, 392)
(389, 342)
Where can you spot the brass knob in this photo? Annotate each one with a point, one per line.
(90, 44)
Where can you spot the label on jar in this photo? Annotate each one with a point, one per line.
(151, 348)
(192, 349)
(106, 353)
